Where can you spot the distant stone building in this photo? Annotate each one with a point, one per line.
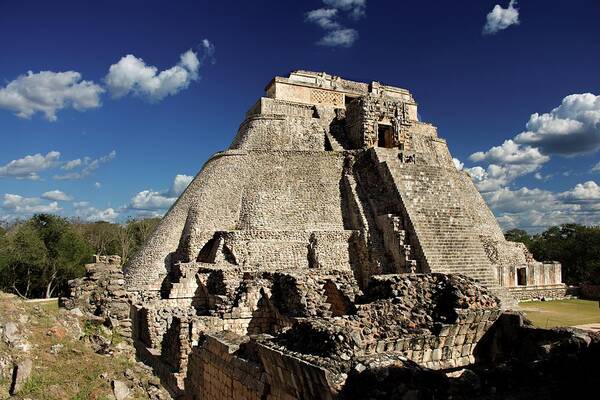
(334, 213)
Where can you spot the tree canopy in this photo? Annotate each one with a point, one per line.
(39, 256)
(576, 247)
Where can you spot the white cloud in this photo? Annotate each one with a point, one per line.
(151, 200)
(497, 176)
(48, 92)
(86, 212)
(16, 206)
(208, 52)
(69, 165)
(97, 185)
(355, 8)
(540, 177)
(132, 75)
(511, 153)
(327, 19)
(323, 17)
(56, 195)
(339, 38)
(583, 192)
(180, 183)
(159, 201)
(29, 166)
(87, 166)
(501, 18)
(458, 164)
(537, 209)
(570, 129)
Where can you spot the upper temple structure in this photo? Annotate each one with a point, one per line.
(334, 230)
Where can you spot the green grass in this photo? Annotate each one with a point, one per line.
(74, 372)
(572, 312)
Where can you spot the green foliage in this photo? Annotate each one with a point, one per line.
(576, 247)
(518, 235)
(39, 256)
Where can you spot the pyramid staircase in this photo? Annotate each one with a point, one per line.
(432, 202)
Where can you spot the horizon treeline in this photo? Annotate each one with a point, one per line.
(40, 255)
(576, 247)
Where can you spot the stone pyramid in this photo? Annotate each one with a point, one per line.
(331, 174)
(334, 233)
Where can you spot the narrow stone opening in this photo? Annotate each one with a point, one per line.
(385, 136)
(522, 276)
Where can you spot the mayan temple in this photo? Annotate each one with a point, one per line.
(335, 235)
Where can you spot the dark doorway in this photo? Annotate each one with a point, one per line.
(385, 136)
(522, 276)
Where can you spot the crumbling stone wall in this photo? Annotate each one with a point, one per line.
(101, 293)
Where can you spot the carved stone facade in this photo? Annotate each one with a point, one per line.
(334, 232)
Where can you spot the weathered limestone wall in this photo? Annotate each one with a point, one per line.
(102, 293)
(272, 132)
(215, 372)
(215, 187)
(261, 190)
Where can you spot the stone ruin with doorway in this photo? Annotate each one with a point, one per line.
(334, 238)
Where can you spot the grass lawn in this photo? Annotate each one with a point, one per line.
(548, 314)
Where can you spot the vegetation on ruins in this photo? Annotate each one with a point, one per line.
(40, 255)
(576, 247)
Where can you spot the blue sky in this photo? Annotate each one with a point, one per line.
(136, 95)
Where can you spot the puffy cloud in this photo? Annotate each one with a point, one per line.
(583, 192)
(533, 209)
(180, 183)
(97, 185)
(537, 209)
(570, 129)
(339, 38)
(510, 153)
(87, 166)
(501, 18)
(458, 164)
(324, 17)
(16, 206)
(506, 163)
(29, 166)
(86, 212)
(154, 201)
(355, 8)
(69, 165)
(151, 200)
(48, 92)
(132, 75)
(497, 176)
(56, 195)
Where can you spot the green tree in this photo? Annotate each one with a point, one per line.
(518, 235)
(41, 255)
(576, 247)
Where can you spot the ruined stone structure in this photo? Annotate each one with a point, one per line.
(101, 293)
(334, 233)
